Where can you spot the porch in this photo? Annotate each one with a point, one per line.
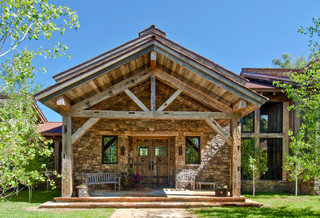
(150, 198)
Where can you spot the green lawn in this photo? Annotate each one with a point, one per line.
(20, 207)
(276, 205)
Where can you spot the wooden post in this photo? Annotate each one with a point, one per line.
(67, 157)
(236, 157)
(153, 93)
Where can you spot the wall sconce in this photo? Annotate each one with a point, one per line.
(130, 162)
(122, 149)
(180, 150)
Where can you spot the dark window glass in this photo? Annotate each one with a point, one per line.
(244, 143)
(247, 123)
(273, 147)
(271, 117)
(110, 149)
(192, 150)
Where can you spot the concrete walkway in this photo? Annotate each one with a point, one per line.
(152, 212)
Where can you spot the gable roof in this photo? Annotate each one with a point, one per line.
(121, 62)
(262, 78)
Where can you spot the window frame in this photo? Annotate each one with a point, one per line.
(199, 152)
(103, 149)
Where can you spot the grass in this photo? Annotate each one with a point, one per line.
(18, 206)
(276, 205)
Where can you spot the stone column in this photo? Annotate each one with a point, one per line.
(236, 157)
(67, 157)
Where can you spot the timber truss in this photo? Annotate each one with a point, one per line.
(82, 108)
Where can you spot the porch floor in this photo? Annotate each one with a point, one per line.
(149, 198)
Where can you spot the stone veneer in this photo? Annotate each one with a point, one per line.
(215, 153)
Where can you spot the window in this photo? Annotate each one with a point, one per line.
(192, 150)
(247, 123)
(246, 145)
(273, 147)
(271, 117)
(110, 149)
(143, 150)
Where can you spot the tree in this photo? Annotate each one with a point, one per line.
(253, 161)
(21, 147)
(285, 62)
(304, 91)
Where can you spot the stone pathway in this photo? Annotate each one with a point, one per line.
(152, 212)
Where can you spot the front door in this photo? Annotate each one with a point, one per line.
(151, 161)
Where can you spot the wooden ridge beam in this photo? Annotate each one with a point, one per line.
(136, 100)
(189, 115)
(215, 125)
(83, 129)
(153, 60)
(169, 100)
(114, 90)
(191, 91)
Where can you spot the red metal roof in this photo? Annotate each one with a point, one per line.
(51, 128)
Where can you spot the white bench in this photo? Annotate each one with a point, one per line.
(185, 178)
(101, 178)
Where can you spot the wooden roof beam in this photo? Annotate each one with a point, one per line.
(215, 125)
(113, 90)
(239, 105)
(63, 103)
(83, 129)
(169, 100)
(185, 115)
(192, 91)
(136, 100)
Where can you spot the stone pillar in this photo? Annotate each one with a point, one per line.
(236, 157)
(67, 157)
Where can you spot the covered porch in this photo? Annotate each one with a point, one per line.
(153, 108)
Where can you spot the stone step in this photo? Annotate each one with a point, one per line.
(190, 204)
(151, 199)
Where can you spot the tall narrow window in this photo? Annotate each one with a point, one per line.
(273, 147)
(246, 145)
(110, 149)
(192, 150)
(247, 123)
(271, 117)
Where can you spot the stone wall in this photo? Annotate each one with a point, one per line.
(277, 186)
(215, 153)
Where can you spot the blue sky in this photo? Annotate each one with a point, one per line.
(233, 33)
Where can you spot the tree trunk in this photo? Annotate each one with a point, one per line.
(296, 186)
(253, 187)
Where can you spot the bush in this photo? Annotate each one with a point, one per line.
(131, 182)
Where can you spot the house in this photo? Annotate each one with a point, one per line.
(269, 125)
(154, 108)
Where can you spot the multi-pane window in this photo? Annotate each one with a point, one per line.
(192, 150)
(273, 147)
(271, 117)
(246, 145)
(247, 123)
(110, 149)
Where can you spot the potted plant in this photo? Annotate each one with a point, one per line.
(221, 190)
(82, 190)
(131, 182)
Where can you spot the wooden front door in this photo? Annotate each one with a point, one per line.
(151, 161)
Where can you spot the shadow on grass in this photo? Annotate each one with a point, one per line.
(38, 196)
(256, 212)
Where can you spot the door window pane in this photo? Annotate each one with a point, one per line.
(143, 150)
(159, 151)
